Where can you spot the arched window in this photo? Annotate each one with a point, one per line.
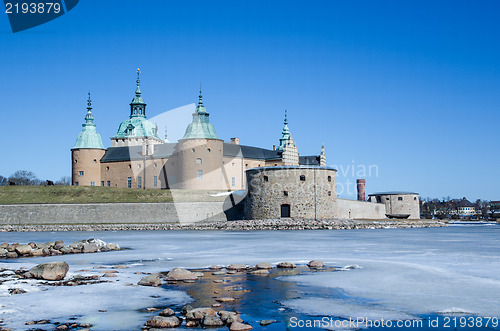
(266, 179)
(400, 198)
(198, 161)
(329, 178)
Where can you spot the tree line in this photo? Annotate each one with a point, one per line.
(28, 178)
(448, 208)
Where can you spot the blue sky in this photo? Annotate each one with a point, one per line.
(410, 87)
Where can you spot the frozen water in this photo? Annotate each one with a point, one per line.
(404, 272)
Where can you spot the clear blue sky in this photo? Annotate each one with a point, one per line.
(411, 87)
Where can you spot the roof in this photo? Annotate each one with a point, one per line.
(250, 152)
(291, 167)
(88, 137)
(465, 203)
(309, 160)
(115, 154)
(200, 127)
(393, 193)
(137, 126)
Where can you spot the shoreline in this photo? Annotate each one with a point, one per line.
(243, 225)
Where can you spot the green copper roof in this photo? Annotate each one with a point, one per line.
(89, 138)
(285, 135)
(137, 125)
(200, 127)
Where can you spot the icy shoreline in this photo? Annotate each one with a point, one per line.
(243, 225)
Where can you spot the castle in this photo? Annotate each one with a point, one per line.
(279, 182)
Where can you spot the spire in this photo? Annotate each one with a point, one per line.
(322, 156)
(285, 134)
(89, 118)
(138, 81)
(200, 109)
(138, 106)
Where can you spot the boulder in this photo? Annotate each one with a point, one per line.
(163, 322)
(315, 264)
(237, 326)
(186, 309)
(260, 272)
(3, 252)
(286, 265)
(211, 321)
(58, 245)
(23, 249)
(236, 267)
(167, 312)
(49, 271)
(150, 280)
(181, 274)
(65, 250)
(229, 317)
(264, 265)
(267, 322)
(198, 313)
(54, 252)
(218, 273)
(11, 255)
(37, 252)
(225, 299)
(113, 247)
(32, 244)
(4, 245)
(89, 248)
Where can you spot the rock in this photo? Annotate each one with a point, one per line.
(120, 266)
(58, 245)
(50, 271)
(113, 247)
(211, 321)
(286, 265)
(11, 255)
(315, 264)
(186, 309)
(151, 280)
(229, 317)
(16, 291)
(264, 265)
(90, 248)
(62, 327)
(191, 324)
(232, 272)
(152, 309)
(218, 281)
(181, 274)
(216, 305)
(237, 326)
(54, 252)
(65, 250)
(163, 322)
(214, 267)
(37, 252)
(225, 299)
(23, 249)
(110, 274)
(167, 312)
(4, 245)
(218, 273)
(260, 272)
(199, 313)
(267, 322)
(3, 252)
(236, 267)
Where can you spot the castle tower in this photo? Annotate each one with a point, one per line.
(290, 153)
(322, 157)
(87, 153)
(137, 130)
(198, 159)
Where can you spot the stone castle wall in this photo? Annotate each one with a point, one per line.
(353, 209)
(311, 196)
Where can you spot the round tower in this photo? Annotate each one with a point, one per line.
(87, 153)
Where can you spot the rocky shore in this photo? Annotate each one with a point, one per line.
(243, 225)
(13, 251)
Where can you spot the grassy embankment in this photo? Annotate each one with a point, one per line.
(97, 194)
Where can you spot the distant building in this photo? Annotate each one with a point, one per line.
(465, 208)
(398, 204)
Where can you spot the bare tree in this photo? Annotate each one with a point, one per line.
(64, 181)
(3, 181)
(24, 177)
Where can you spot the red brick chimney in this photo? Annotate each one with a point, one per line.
(361, 189)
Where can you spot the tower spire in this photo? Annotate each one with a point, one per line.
(138, 81)
(89, 118)
(285, 134)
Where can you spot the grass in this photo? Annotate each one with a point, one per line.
(97, 194)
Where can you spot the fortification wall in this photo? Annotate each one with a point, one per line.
(110, 213)
(353, 209)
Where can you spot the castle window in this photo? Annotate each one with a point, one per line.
(80, 173)
(415, 198)
(386, 198)
(246, 165)
(155, 181)
(156, 165)
(129, 182)
(232, 164)
(266, 179)
(198, 161)
(95, 161)
(108, 183)
(76, 161)
(76, 183)
(200, 174)
(329, 193)
(139, 166)
(193, 150)
(102, 183)
(400, 198)
(285, 193)
(107, 168)
(233, 181)
(302, 178)
(92, 183)
(130, 166)
(139, 182)
(208, 150)
(329, 178)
